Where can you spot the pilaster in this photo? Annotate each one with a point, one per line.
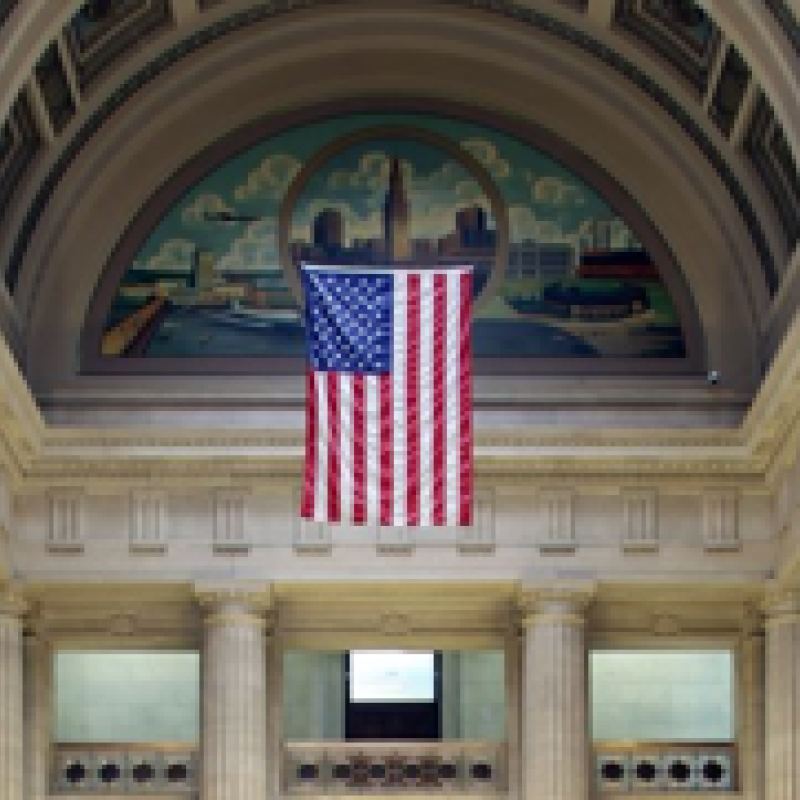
(12, 607)
(752, 717)
(37, 704)
(782, 731)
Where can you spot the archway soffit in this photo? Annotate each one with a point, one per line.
(510, 10)
(788, 21)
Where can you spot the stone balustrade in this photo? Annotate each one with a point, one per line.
(377, 767)
(115, 769)
(637, 767)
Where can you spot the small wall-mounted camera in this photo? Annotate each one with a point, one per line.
(713, 377)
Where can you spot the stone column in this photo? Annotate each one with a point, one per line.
(783, 697)
(37, 699)
(12, 785)
(554, 750)
(234, 746)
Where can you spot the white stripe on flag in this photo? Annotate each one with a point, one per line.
(321, 488)
(400, 319)
(425, 403)
(346, 446)
(452, 350)
(372, 419)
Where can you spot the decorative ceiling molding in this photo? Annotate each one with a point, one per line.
(769, 152)
(38, 455)
(730, 91)
(689, 44)
(51, 77)
(517, 12)
(787, 19)
(96, 41)
(6, 7)
(19, 144)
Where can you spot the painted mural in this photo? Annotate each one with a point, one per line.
(574, 279)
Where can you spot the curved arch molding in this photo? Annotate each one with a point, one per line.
(519, 13)
(309, 186)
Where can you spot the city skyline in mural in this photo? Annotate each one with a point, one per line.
(209, 280)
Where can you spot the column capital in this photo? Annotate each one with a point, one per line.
(556, 603)
(37, 629)
(12, 602)
(242, 603)
(753, 621)
(781, 607)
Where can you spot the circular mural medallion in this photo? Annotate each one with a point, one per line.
(395, 195)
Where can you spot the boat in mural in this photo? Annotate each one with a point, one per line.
(238, 315)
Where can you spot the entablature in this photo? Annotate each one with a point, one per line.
(440, 614)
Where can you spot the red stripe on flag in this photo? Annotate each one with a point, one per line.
(465, 405)
(439, 398)
(359, 452)
(310, 478)
(412, 400)
(386, 426)
(334, 447)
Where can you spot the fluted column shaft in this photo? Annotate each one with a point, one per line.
(11, 709)
(555, 756)
(234, 704)
(783, 700)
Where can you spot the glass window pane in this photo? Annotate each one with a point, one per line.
(662, 695)
(127, 697)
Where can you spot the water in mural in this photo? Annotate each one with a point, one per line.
(576, 281)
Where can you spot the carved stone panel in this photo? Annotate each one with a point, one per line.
(308, 536)
(720, 520)
(556, 518)
(148, 522)
(639, 520)
(66, 529)
(230, 534)
(479, 537)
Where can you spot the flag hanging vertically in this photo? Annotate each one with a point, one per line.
(388, 396)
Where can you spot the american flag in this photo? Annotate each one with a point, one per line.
(388, 396)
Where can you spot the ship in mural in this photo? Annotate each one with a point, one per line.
(209, 280)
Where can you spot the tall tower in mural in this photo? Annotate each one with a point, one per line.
(395, 216)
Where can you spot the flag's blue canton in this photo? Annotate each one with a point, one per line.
(349, 321)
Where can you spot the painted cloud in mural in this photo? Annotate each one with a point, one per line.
(486, 153)
(270, 179)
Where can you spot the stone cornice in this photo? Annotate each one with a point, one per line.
(97, 612)
(36, 455)
(771, 426)
(21, 423)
